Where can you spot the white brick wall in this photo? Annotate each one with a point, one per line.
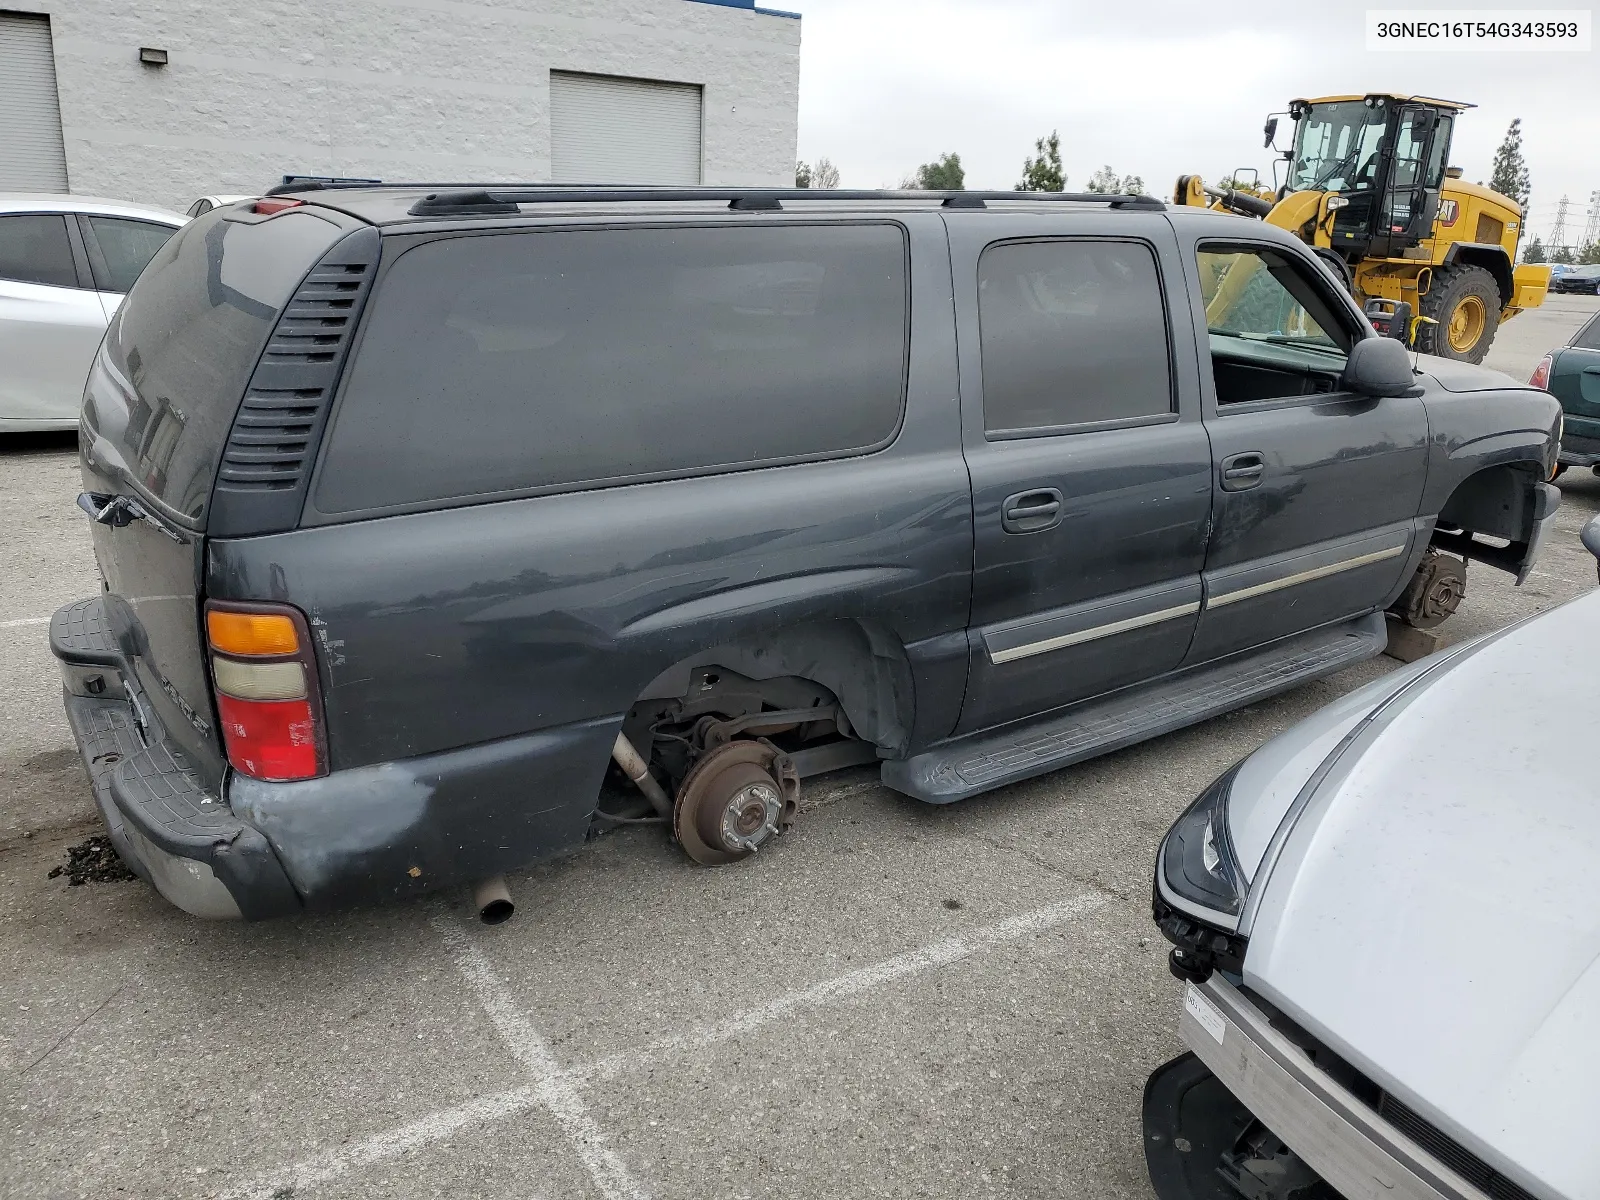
(441, 90)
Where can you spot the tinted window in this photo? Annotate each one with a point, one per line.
(500, 363)
(181, 348)
(34, 249)
(1588, 337)
(1072, 331)
(126, 246)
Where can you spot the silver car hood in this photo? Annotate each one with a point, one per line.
(1432, 915)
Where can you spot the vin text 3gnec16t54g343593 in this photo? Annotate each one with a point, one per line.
(418, 509)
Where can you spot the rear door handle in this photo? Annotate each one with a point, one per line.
(1031, 512)
(1241, 472)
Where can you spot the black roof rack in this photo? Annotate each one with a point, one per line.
(493, 199)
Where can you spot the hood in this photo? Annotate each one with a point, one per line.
(1433, 916)
(1456, 376)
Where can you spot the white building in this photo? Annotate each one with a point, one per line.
(161, 101)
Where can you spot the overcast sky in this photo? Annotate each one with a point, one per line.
(1156, 88)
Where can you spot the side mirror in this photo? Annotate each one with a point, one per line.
(1378, 367)
(1591, 536)
(1271, 132)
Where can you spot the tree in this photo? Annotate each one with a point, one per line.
(821, 174)
(1561, 254)
(946, 175)
(1533, 252)
(1107, 182)
(1042, 173)
(1510, 174)
(1591, 255)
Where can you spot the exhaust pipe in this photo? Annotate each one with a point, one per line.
(635, 768)
(492, 899)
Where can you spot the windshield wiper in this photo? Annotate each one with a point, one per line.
(1284, 339)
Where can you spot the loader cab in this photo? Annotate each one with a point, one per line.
(1385, 156)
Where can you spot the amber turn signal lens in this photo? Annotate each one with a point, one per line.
(251, 634)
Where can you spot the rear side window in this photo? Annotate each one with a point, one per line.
(513, 362)
(34, 249)
(177, 356)
(1073, 332)
(126, 246)
(1589, 336)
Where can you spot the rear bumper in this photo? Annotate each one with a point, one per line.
(182, 839)
(1356, 1152)
(358, 835)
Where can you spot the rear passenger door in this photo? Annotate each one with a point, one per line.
(1089, 462)
(119, 248)
(50, 319)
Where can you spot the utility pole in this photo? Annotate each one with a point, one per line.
(1558, 232)
(1591, 227)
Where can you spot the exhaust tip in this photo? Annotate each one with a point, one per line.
(492, 899)
(496, 911)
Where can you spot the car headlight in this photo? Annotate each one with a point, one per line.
(1200, 890)
(1198, 864)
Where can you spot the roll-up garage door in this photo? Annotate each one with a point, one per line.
(31, 154)
(604, 129)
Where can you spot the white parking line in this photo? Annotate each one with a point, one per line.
(554, 1089)
(21, 621)
(439, 1125)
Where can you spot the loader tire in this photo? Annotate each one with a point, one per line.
(1465, 302)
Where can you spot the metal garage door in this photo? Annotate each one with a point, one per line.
(31, 155)
(609, 130)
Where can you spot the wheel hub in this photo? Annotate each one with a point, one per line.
(735, 799)
(1467, 323)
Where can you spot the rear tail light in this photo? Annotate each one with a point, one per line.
(1541, 374)
(266, 683)
(268, 205)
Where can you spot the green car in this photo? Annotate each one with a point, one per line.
(1572, 375)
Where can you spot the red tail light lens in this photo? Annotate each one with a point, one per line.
(1541, 374)
(264, 674)
(270, 739)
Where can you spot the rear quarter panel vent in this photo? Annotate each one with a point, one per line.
(262, 480)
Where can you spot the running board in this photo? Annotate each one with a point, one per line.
(993, 758)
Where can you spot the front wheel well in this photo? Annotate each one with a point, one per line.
(1497, 501)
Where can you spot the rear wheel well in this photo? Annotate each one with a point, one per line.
(854, 673)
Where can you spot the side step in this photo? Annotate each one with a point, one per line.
(989, 759)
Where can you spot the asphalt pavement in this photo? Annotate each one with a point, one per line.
(897, 1000)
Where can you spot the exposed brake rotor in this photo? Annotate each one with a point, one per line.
(1434, 592)
(734, 800)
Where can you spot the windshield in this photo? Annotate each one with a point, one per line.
(1336, 148)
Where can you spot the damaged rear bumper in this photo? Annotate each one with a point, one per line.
(182, 839)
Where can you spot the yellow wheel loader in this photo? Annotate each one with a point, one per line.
(1370, 190)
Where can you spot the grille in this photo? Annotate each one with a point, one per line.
(1450, 1152)
(284, 406)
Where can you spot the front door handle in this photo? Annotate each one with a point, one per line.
(1031, 512)
(1241, 472)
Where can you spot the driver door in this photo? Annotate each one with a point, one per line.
(1315, 489)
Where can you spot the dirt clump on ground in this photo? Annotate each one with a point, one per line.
(92, 861)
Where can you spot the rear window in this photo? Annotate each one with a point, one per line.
(512, 362)
(181, 348)
(1588, 337)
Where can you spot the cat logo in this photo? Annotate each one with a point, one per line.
(1449, 210)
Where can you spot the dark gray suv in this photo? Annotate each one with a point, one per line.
(419, 508)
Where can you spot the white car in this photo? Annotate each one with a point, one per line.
(1387, 924)
(206, 203)
(65, 264)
